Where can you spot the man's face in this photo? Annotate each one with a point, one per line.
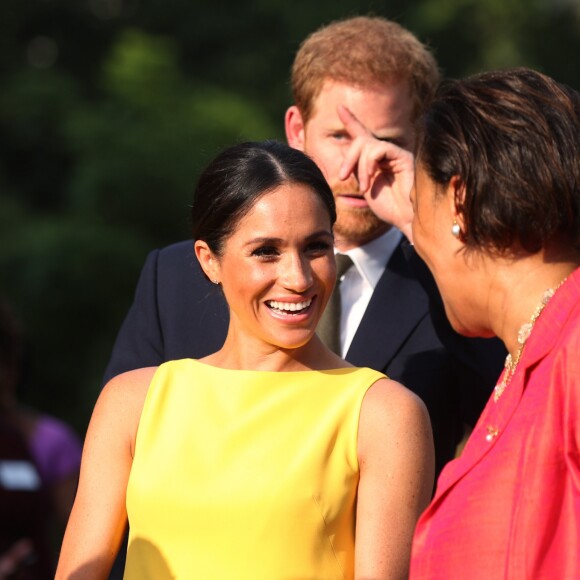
(386, 112)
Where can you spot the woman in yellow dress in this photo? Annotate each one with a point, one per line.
(271, 458)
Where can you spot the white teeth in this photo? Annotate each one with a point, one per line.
(289, 306)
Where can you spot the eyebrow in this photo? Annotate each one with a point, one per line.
(269, 240)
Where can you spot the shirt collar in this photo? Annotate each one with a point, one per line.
(370, 260)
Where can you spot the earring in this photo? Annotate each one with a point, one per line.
(215, 281)
(456, 230)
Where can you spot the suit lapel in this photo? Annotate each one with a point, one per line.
(396, 307)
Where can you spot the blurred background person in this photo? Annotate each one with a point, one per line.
(497, 220)
(25, 550)
(39, 465)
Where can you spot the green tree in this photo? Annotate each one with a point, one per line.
(109, 109)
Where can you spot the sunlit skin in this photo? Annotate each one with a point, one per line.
(385, 112)
(485, 293)
(277, 272)
(456, 271)
(477, 287)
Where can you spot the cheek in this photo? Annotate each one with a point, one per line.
(426, 237)
(326, 273)
(419, 239)
(453, 288)
(427, 249)
(241, 282)
(255, 280)
(328, 158)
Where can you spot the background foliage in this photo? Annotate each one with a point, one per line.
(109, 108)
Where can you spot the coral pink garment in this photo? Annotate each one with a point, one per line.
(509, 507)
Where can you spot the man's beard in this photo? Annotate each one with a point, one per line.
(355, 225)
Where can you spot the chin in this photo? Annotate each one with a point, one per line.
(458, 325)
(464, 329)
(292, 343)
(358, 226)
(466, 332)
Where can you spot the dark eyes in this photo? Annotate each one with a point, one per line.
(318, 247)
(265, 251)
(315, 248)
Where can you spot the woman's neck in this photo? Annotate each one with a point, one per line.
(518, 292)
(250, 353)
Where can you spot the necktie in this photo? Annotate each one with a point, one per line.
(329, 325)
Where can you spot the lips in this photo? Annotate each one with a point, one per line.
(289, 307)
(352, 200)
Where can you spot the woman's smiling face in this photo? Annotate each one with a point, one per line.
(277, 268)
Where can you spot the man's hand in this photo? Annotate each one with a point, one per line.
(385, 173)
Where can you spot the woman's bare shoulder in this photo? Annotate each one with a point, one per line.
(118, 409)
(391, 397)
(390, 408)
(127, 391)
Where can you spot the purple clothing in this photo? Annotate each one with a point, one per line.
(56, 450)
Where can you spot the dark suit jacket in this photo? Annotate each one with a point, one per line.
(177, 313)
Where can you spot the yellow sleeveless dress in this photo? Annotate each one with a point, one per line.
(245, 474)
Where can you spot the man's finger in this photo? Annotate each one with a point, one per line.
(351, 159)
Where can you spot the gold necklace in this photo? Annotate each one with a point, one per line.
(523, 335)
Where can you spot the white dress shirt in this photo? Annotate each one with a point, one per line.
(358, 283)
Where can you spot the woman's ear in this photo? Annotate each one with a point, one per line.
(207, 260)
(456, 197)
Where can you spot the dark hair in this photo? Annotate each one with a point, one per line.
(230, 185)
(513, 139)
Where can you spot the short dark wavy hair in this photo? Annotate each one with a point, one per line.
(513, 139)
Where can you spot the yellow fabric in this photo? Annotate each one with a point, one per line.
(245, 474)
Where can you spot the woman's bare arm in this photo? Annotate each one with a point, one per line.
(98, 518)
(396, 458)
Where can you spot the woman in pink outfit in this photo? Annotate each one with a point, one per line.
(497, 220)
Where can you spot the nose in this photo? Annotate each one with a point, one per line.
(296, 274)
(352, 179)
